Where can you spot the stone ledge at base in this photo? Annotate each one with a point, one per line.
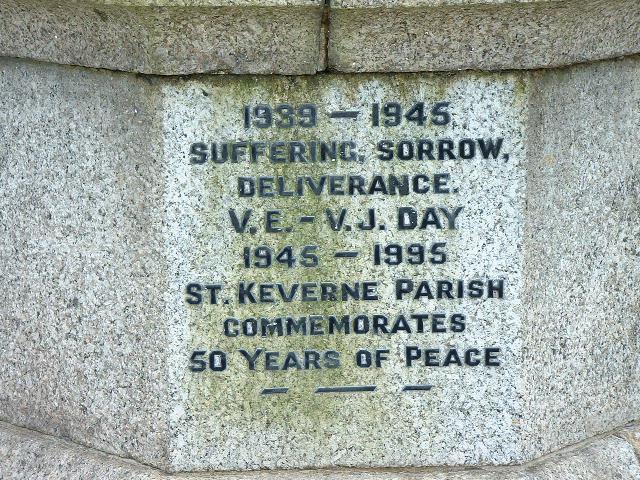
(26, 454)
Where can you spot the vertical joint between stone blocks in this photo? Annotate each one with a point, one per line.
(325, 32)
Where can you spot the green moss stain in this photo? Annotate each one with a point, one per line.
(301, 404)
(235, 394)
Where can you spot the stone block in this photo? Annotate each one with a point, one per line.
(581, 253)
(437, 35)
(81, 238)
(491, 308)
(168, 37)
(294, 37)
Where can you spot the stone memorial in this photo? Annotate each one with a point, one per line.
(390, 239)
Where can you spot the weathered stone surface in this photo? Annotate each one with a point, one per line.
(632, 435)
(27, 454)
(177, 37)
(423, 3)
(107, 221)
(168, 37)
(81, 164)
(582, 253)
(436, 35)
(305, 428)
(210, 3)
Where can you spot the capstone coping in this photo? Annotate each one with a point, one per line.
(291, 37)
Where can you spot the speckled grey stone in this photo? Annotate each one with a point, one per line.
(177, 37)
(388, 427)
(423, 3)
(168, 37)
(83, 330)
(632, 435)
(29, 455)
(437, 35)
(582, 255)
(105, 221)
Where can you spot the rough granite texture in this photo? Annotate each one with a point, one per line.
(104, 221)
(29, 455)
(582, 255)
(401, 429)
(82, 333)
(167, 38)
(209, 3)
(179, 37)
(424, 3)
(412, 36)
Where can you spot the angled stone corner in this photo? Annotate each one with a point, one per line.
(580, 325)
(83, 334)
(168, 37)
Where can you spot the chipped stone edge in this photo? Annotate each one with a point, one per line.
(27, 453)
